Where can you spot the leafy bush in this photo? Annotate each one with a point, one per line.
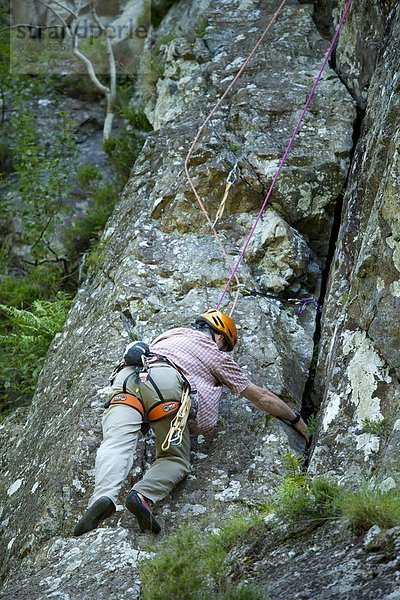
(151, 70)
(192, 565)
(25, 346)
(123, 149)
(293, 500)
(88, 174)
(43, 173)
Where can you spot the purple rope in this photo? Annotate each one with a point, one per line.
(289, 146)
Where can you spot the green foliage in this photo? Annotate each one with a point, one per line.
(24, 347)
(376, 426)
(153, 12)
(313, 423)
(152, 67)
(198, 31)
(151, 70)
(95, 257)
(301, 499)
(38, 196)
(43, 181)
(345, 298)
(366, 507)
(85, 231)
(201, 26)
(77, 86)
(144, 19)
(177, 571)
(243, 591)
(292, 500)
(234, 147)
(123, 149)
(136, 119)
(87, 175)
(21, 290)
(192, 564)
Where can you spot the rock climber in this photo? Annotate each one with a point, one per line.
(196, 356)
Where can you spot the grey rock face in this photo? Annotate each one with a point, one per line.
(255, 125)
(359, 355)
(83, 568)
(161, 266)
(330, 565)
(360, 43)
(282, 259)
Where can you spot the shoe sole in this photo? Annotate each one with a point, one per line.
(100, 510)
(144, 517)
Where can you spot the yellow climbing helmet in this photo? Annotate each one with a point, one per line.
(221, 323)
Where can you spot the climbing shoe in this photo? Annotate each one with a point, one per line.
(141, 509)
(100, 510)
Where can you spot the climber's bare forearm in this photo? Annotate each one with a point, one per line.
(271, 403)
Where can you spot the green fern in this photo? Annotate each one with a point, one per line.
(26, 337)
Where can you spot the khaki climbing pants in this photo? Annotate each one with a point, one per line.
(121, 426)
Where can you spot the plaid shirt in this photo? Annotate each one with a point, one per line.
(206, 368)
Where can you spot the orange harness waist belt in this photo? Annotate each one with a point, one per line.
(129, 400)
(158, 411)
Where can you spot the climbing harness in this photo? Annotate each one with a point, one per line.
(230, 181)
(288, 148)
(161, 409)
(127, 398)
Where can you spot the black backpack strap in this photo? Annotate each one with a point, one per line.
(161, 358)
(156, 388)
(125, 383)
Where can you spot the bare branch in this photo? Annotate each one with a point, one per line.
(110, 52)
(41, 234)
(89, 67)
(43, 261)
(96, 17)
(71, 28)
(111, 96)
